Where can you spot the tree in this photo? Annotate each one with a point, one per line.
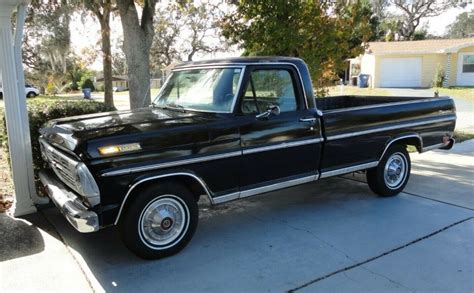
(183, 30)
(138, 37)
(414, 11)
(201, 22)
(102, 10)
(462, 27)
(46, 43)
(321, 33)
(168, 23)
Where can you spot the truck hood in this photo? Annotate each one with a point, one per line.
(151, 127)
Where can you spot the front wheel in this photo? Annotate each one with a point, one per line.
(160, 221)
(391, 175)
(31, 95)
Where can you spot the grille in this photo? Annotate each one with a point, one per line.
(62, 165)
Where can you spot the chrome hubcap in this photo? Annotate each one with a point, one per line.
(164, 221)
(395, 171)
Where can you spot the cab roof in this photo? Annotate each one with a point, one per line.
(241, 60)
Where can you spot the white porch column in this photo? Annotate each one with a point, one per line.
(19, 141)
(447, 70)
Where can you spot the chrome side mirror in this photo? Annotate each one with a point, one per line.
(271, 110)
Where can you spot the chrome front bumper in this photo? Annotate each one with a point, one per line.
(69, 204)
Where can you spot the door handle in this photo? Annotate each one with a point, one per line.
(308, 119)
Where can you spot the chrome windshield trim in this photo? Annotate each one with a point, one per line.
(244, 64)
(282, 145)
(171, 164)
(234, 99)
(349, 169)
(380, 129)
(195, 177)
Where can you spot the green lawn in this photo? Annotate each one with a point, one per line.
(459, 92)
(356, 91)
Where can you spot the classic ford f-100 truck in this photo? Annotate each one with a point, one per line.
(227, 129)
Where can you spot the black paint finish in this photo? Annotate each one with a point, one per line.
(167, 135)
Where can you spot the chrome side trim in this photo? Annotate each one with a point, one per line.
(283, 145)
(400, 138)
(203, 184)
(276, 186)
(226, 197)
(210, 158)
(172, 164)
(349, 169)
(387, 105)
(380, 129)
(435, 146)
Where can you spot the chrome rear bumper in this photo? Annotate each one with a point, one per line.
(69, 204)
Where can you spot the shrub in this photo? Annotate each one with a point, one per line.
(88, 84)
(42, 110)
(439, 77)
(100, 87)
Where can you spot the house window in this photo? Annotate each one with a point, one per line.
(468, 63)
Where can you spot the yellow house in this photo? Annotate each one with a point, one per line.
(415, 63)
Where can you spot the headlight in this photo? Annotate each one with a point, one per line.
(121, 148)
(87, 185)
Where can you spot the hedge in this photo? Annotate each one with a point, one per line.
(40, 111)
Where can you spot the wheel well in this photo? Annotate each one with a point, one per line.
(411, 141)
(196, 188)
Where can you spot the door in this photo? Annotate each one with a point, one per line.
(278, 148)
(400, 72)
(465, 74)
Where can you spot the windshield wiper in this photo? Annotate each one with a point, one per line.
(174, 106)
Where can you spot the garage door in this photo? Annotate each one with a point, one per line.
(400, 72)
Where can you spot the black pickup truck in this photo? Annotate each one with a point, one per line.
(227, 129)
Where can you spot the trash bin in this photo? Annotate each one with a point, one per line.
(363, 80)
(87, 93)
(354, 80)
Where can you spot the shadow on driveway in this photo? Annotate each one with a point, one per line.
(268, 243)
(18, 238)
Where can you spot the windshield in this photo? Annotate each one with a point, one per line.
(210, 89)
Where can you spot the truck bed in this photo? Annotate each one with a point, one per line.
(343, 102)
(368, 123)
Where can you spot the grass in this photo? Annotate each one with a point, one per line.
(356, 91)
(458, 92)
(461, 136)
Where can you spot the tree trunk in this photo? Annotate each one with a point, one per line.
(107, 60)
(137, 40)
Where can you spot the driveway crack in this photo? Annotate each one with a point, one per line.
(386, 278)
(379, 256)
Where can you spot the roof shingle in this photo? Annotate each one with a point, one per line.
(418, 47)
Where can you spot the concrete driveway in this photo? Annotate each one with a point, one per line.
(333, 235)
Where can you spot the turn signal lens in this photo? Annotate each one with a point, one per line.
(114, 149)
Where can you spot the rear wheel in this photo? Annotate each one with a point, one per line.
(390, 177)
(160, 221)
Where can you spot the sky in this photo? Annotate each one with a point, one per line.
(86, 33)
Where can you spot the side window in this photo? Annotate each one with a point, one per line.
(269, 87)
